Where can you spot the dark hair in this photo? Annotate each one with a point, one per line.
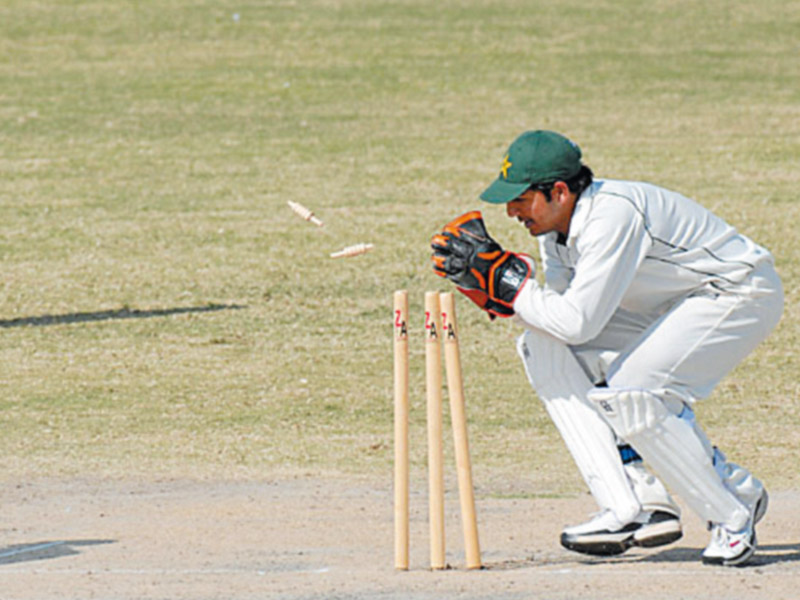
(576, 184)
(581, 181)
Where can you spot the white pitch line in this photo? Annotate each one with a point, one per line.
(559, 573)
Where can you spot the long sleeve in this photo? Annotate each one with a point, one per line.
(610, 246)
(557, 274)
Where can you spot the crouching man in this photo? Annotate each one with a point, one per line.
(649, 301)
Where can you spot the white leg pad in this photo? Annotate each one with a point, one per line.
(737, 479)
(745, 486)
(672, 447)
(562, 385)
(649, 490)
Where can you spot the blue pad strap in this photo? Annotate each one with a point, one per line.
(628, 454)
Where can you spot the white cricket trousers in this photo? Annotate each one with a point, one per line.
(684, 353)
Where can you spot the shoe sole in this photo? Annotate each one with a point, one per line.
(604, 544)
(658, 534)
(614, 543)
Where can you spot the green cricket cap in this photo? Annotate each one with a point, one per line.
(534, 158)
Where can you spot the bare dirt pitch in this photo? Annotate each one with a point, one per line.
(326, 537)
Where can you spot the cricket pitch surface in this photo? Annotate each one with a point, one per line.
(331, 537)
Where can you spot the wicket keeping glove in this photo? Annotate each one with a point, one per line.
(491, 277)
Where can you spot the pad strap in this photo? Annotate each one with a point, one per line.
(628, 454)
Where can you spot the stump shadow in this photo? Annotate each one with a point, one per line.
(110, 315)
(46, 550)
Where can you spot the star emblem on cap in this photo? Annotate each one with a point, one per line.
(505, 166)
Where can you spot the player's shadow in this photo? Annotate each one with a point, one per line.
(45, 550)
(109, 315)
(765, 555)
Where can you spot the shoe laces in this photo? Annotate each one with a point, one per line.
(721, 536)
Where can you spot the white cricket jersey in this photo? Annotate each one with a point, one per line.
(634, 246)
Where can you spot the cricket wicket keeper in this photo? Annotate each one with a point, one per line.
(649, 301)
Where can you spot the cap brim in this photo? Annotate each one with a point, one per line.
(502, 192)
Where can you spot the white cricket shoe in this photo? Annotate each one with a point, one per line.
(735, 548)
(730, 548)
(605, 535)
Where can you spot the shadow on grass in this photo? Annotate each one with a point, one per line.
(109, 315)
(45, 550)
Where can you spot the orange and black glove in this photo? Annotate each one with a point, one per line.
(490, 276)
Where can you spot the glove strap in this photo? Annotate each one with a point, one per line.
(506, 278)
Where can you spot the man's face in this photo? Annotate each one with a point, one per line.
(539, 216)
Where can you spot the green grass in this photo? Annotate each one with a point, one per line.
(147, 151)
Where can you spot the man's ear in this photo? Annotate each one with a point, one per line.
(560, 191)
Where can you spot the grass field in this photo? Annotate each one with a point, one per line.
(163, 313)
